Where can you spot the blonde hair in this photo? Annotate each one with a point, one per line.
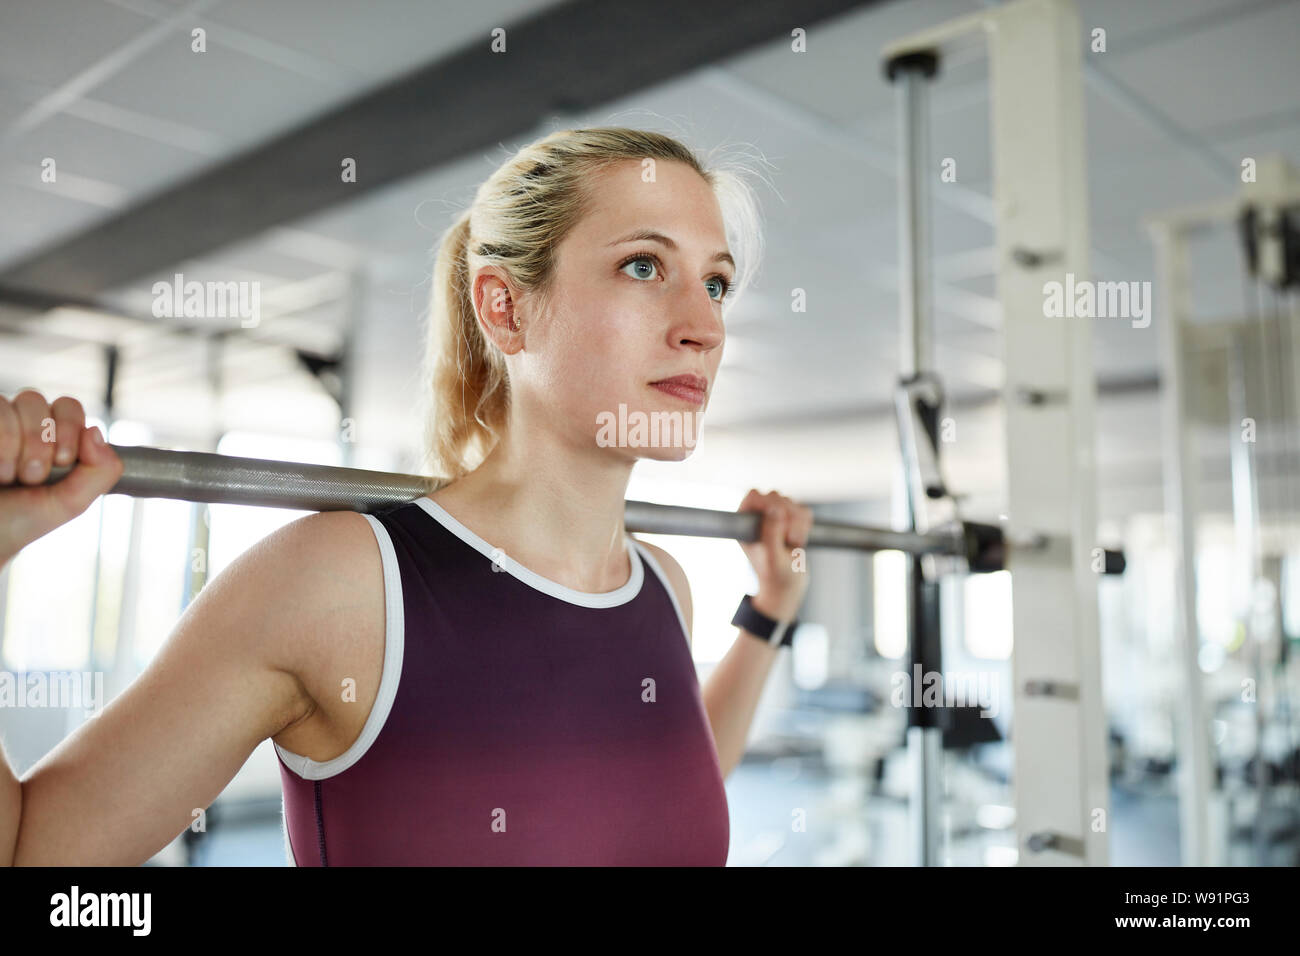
(516, 221)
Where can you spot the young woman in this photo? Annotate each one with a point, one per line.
(495, 673)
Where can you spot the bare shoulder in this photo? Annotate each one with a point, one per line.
(321, 582)
(250, 658)
(676, 576)
(318, 567)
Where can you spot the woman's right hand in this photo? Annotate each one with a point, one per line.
(34, 437)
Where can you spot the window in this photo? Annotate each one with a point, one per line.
(50, 597)
(987, 621)
(50, 600)
(717, 568)
(233, 529)
(889, 603)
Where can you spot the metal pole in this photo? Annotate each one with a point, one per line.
(1246, 524)
(916, 347)
(1180, 461)
(112, 355)
(911, 74)
(355, 305)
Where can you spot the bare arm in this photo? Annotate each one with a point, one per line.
(127, 781)
(731, 695)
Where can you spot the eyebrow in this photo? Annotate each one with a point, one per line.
(649, 235)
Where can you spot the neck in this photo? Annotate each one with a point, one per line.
(552, 507)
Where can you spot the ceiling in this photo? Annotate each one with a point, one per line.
(111, 89)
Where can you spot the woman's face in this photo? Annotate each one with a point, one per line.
(625, 314)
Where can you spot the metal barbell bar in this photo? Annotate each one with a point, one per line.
(225, 479)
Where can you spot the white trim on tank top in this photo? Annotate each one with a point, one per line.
(534, 580)
(663, 579)
(394, 644)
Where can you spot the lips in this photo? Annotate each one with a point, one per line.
(689, 388)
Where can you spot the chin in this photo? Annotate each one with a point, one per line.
(665, 454)
(659, 433)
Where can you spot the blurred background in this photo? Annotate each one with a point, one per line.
(128, 156)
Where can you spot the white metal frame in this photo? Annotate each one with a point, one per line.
(1275, 184)
(1040, 194)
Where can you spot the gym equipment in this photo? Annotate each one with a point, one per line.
(1255, 351)
(1038, 209)
(224, 479)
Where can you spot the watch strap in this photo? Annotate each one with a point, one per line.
(767, 629)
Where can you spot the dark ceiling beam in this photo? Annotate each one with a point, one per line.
(566, 59)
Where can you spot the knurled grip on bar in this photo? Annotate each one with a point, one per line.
(225, 479)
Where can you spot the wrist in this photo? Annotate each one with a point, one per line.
(776, 608)
(771, 630)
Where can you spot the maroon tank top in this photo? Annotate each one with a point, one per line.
(518, 721)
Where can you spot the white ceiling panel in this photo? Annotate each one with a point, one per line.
(1246, 66)
(240, 97)
(839, 76)
(375, 40)
(52, 40)
(1132, 27)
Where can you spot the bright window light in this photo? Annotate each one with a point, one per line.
(233, 529)
(717, 569)
(1215, 574)
(163, 556)
(1291, 594)
(48, 610)
(114, 545)
(158, 587)
(987, 619)
(889, 603)
(810, 658)
(1156, 569)
(51, 587)
(1001, 856)
(126, 432)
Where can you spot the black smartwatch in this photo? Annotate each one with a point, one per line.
(766, 629)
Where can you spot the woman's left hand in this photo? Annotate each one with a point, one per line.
(782, 574)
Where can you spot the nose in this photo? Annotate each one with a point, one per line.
(699, 324)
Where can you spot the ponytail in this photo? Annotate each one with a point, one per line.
(467, 374)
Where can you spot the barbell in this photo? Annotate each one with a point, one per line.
(225, 479)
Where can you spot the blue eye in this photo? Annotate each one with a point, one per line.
(640, 259)
(723, 282)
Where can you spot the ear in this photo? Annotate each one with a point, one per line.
(496, 307)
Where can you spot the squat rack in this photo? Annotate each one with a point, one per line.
(1049, 391)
